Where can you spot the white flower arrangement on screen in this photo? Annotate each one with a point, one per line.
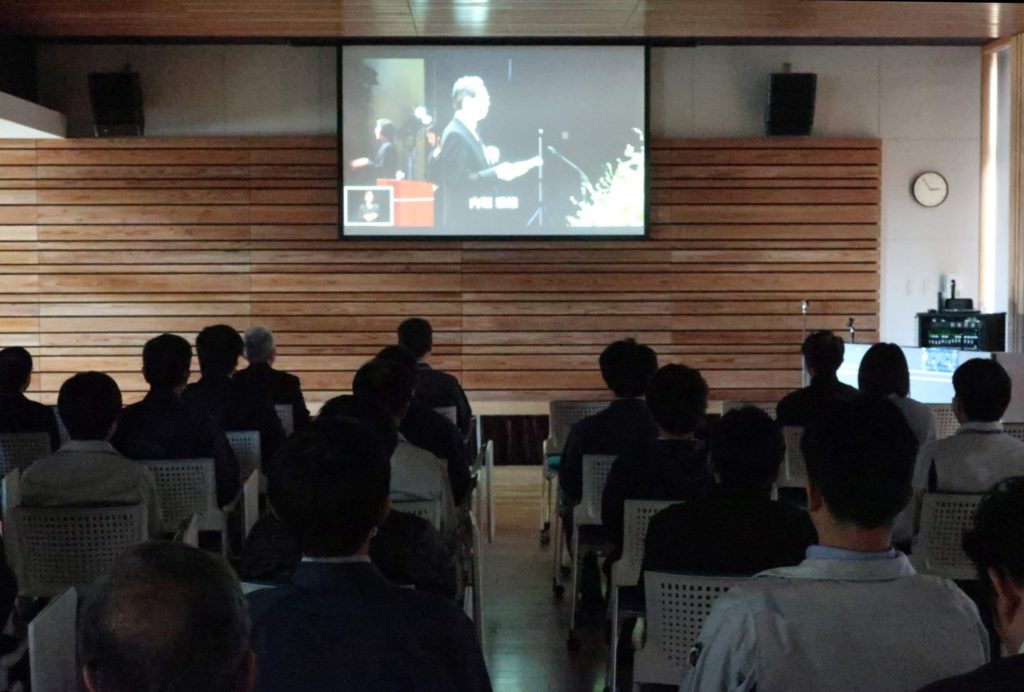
(617, 200)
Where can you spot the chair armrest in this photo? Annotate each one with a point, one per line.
(550, 447)
(250, 502)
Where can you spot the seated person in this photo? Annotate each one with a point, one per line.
(854, 615)
(980, 454)
(87, 470)
(18, 413)
(407, 549)
(427, 429)
(627, 367)
(339, 625)
(995, 545)
(736, 528)
(167, 617)
(282, 387)
(434, 388)
(161, 426)
(884, 374)
(823, 354)
(672, 467)
(233, 405)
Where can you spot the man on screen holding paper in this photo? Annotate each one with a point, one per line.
(466, 165)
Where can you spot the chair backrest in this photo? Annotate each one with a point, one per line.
(52, 645)
(938, 549)
(189, 533)
(733, 404)
(285, 413)
(185, 487)
(793, 472)
(1014, 430)
(424, 509)
(677, 605)
(59, 547)
(636, 518)
(246, 446)
(61, 428)
(19, 450)
(946, 423)
(596, 468)
(562, 415)
(449, 412)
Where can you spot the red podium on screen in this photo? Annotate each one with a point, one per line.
(414, 201)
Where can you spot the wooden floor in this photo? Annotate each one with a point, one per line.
(524, 625)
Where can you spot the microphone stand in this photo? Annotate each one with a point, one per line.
(538, 215)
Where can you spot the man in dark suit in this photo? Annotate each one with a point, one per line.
(339, 625)
(384, 163)
(162, 426)
(823, 354)
(434, 388)
(282, 387)
(996, 546)
(18, 413)
(233, 405)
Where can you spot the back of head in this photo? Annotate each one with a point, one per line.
(367, 412)
(89, 404)
(677, 397)
(167, 618)
(983, 389)
(387, 382)
(329, 484)
(627, 367)
(823, 352)
(465, 86)
(15, 369)
(996, 539)
(746, 449)
(416, 335)
(860, 455)
(166, 360)
(387, 128)
(218, 348)
(259, 344)
(884, 371)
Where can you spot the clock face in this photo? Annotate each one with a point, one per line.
(930, 189)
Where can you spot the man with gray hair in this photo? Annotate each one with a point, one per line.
(280, 386)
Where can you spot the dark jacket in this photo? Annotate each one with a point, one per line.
(625, 424)
(282, 387)
(653, 470)
(801, 406)
(1004, 675)
(345, 628)
(463, 173)
(161, 426)
(438, 389)
(20, 414)
(427, 429)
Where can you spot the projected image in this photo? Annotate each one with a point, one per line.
(494, 140)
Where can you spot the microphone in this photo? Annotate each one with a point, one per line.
(570, 164)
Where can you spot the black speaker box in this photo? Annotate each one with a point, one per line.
(790, 108)
(116, 104)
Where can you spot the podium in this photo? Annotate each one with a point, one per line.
(414, 201)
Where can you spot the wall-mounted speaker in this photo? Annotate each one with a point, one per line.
(790, 108)
(116, 104)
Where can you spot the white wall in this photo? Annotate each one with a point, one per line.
(924, 102)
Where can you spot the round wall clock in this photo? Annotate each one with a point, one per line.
(930, 189)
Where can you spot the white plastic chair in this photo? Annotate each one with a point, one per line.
(938, 549)
(483, 497)
(186, 487)
(19, 450)
(287, 416)
(946, 423)
(59, 547)
(424, 509)
(733, 404)
(1014, 430)
(677, 605)
(793, 471)
(449, 412)
(52, 645)
(246, 446)
(470, 570)
(596, 468)
(61, 428)
(637, 516)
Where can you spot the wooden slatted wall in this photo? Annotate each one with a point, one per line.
(104, 243)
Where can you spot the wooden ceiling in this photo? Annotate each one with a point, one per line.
(707, 20)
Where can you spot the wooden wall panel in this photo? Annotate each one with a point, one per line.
(105, 243)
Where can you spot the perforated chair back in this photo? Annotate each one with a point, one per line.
(946, 423)
(938, 549)
(793, 472)
(733, 404)
(636, 518)
(61, 428)
(10, 494)
(562, 415)
(596, 468)
(424, 509)
(449, 412)
(185, 487)
(59, 547)
(677, 605)
(1014, 430)
(287, 416)
(246, 446)
(19, 450)
(53, 660)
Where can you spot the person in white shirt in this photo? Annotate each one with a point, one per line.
(853, 615)
(87, 470)
(884, 374)
(980, 454)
